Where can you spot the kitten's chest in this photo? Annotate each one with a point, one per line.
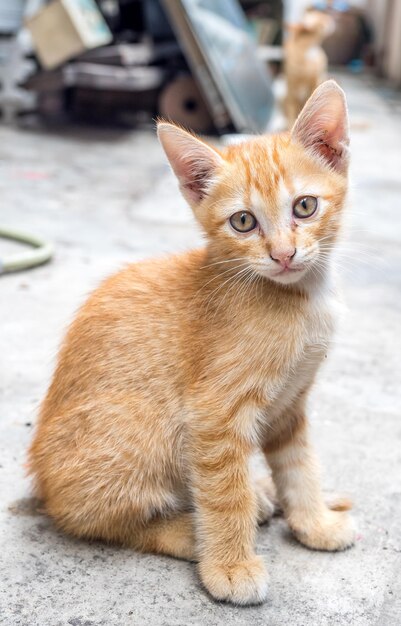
(291, 360)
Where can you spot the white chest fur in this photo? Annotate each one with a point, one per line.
(311, 341)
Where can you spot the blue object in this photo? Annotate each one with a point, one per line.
(338, 5)
(356, 66)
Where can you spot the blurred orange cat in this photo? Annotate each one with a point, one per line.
(176, 369)
(305, 61)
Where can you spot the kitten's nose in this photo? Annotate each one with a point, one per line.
(283, 256)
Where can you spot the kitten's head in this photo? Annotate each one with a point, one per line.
(275, 202)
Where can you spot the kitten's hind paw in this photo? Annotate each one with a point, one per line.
(266, 499)
(335, 530)
(240, 583)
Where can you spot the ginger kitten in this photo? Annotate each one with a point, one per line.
(305, 61)
(176, 369)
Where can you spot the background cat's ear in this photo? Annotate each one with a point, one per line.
(322, 126)
(194, 162)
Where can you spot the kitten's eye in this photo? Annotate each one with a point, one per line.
(243, 221)
(305, 207)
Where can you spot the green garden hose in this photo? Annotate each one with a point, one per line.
(41, 252)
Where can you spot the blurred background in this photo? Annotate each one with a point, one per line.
(85, 188)
(206, 64)
(224, 68)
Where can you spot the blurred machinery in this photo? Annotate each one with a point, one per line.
(192, 61)
(14, 67)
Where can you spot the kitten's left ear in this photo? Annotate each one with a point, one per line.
(322, 126)
(194, 162)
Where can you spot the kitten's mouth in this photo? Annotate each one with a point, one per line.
(288, 275)
(289, 270)
(284, 275)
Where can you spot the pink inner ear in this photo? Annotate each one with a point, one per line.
(322, 126)
(330, 154)
(193, 161)
(194, 181)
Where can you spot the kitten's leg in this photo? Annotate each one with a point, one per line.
(296, 475)
(226, 514)
(173, 536)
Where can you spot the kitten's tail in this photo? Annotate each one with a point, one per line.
(339, 503)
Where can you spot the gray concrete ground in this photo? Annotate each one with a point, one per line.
(106, 198)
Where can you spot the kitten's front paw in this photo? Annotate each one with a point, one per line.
(242, 583)
(332, 531)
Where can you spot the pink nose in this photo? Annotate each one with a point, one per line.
(283, 256)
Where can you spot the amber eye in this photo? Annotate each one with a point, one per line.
(243, 221)
(305, 207)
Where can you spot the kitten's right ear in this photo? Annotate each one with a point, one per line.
(194, 162)
(322, 126)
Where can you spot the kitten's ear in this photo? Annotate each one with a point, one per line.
(322, 126)
(194, 162)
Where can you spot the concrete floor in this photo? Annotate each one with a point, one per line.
(106, 198)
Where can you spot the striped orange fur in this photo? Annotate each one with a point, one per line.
(176, 369)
